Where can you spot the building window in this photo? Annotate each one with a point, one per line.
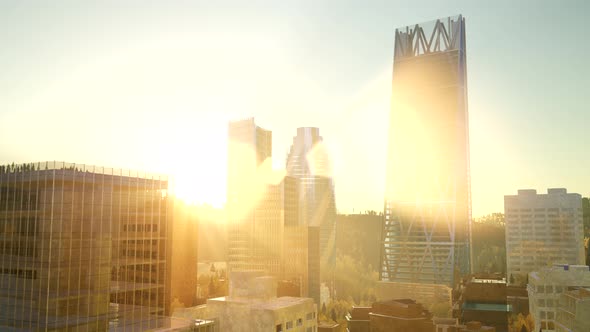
(279, 328)
(299, 321)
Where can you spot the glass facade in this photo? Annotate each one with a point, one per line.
(82, 248)
(249, 147)
(426, 231)
(308, 162)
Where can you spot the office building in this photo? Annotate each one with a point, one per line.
(484, 299)
(541, 230)
(249, 153)
(545, 287)
(573, 311)
(423, 293)
(399, 315)
(308, 162)
(263, 211)
(255, 227)
(357, 320)
(426, 231)
(82, 248)
(183, 254)
(252, 305)
(404, 315)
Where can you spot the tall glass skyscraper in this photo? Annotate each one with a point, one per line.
(426, 230)
(249, 147)
(308, 162)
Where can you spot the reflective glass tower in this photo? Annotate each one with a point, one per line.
(426, 230)
(308, 162)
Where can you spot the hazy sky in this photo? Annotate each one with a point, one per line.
(152, 86)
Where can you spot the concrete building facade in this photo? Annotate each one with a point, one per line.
(252, 305)
(545, 288)
(573, 313)
(541, 230)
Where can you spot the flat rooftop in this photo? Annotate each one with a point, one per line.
(280, 302)
(487, 307)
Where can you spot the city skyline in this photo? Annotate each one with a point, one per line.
(167, 82)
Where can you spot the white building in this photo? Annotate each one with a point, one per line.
(573, 313)
(541, 230)
(545, 288)
(252, 305)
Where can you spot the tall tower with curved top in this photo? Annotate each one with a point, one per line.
(427, 222)
(308, 162)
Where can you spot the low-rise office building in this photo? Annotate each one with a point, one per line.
(399, 315)
(357, 320)
(252, 305)
(573, 313)
(545, 288)
(483, 299)
(83, 248)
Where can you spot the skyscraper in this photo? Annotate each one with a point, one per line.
(308, 161)
(426, 230)
(261, 202)
(249, 147)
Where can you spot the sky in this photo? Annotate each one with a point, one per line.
(152, 85)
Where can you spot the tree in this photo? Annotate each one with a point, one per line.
(519, 323)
